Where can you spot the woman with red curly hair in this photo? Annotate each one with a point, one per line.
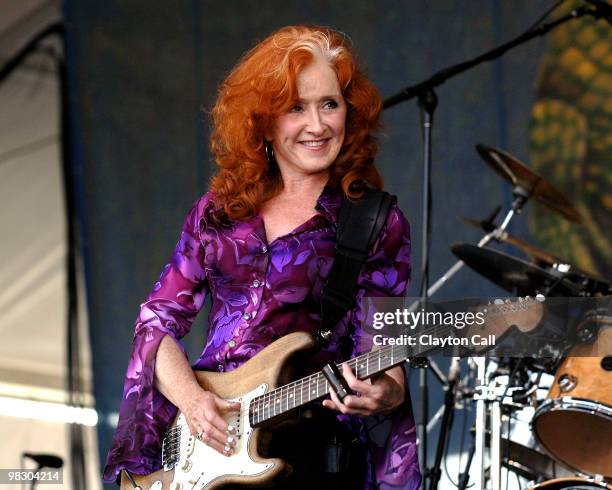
(293, 135)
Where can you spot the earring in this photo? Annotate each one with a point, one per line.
(269, 152)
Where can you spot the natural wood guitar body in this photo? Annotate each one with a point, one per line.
(266, 368)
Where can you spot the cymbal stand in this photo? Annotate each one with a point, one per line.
(481, 395)
(495, 393)
(521, 195)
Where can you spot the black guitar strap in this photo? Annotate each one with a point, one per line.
(359, 224)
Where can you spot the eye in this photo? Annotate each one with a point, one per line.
(331, 104)
(296, 108)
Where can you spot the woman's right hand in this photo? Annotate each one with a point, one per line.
(204, 413)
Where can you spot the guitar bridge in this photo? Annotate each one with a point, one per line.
(171, 446)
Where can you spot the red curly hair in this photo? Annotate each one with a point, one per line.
(263, 86)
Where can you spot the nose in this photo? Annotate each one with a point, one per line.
(315, 122)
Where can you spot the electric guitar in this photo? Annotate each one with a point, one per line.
(191, 464)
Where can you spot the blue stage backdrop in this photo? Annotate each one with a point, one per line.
(142, 75)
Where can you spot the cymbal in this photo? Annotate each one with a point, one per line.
(526, 247)
(517, 173)
(511, 273)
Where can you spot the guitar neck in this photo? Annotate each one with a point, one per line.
(310, 388)
(526, 313)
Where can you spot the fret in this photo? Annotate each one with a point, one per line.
(278, 399)
(284, 392)
(267, 407)
(285, 398)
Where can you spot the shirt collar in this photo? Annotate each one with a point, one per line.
(329, 202)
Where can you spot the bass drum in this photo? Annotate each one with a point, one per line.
(570, 484)
(574, 424)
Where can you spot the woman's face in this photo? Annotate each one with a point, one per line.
(308, 138)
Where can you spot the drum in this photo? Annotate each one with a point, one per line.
(522, 454)
(574, 424)
(573, 483)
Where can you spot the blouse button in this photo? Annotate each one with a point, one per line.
(256, 283)
(246, 315)
(231, 344)
(220, 367)
(264, 249)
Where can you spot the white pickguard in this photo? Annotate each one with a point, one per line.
(199, 465)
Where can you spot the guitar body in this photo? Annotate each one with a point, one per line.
(200, 467)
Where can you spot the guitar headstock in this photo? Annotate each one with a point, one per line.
(501, 315)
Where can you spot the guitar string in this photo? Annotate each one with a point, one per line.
(275, 396)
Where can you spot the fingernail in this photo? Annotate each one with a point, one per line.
(230, 429)
(231, 440)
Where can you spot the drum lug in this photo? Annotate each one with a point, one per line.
(567, 382)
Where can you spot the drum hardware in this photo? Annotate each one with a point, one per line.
(587, 283)
(586, 334)
(567, 382)
(531, 184)
(538, 255)
(490, 392)
(571, 483)
(606, 363)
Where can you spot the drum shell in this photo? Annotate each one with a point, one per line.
(574, 424)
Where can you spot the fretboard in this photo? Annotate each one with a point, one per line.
(527, 312)
(305, 390)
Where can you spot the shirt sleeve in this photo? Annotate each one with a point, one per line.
(391, 442)
(145, 414)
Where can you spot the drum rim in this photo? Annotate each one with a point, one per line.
(556, 404)
(572, 479)
(573, 404)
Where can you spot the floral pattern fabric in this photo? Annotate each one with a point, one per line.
(260, 292)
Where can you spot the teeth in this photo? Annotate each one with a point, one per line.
(314, 144)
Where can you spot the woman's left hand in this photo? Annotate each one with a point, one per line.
(379, 394)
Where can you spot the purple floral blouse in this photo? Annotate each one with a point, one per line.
(260, 291)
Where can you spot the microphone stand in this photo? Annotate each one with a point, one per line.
(424, 91)
(428, 102)
(447, 421)
(599, 10)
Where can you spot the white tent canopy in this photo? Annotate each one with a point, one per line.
(32, 269)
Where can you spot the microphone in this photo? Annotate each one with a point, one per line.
(45, 460)
(603, 10)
